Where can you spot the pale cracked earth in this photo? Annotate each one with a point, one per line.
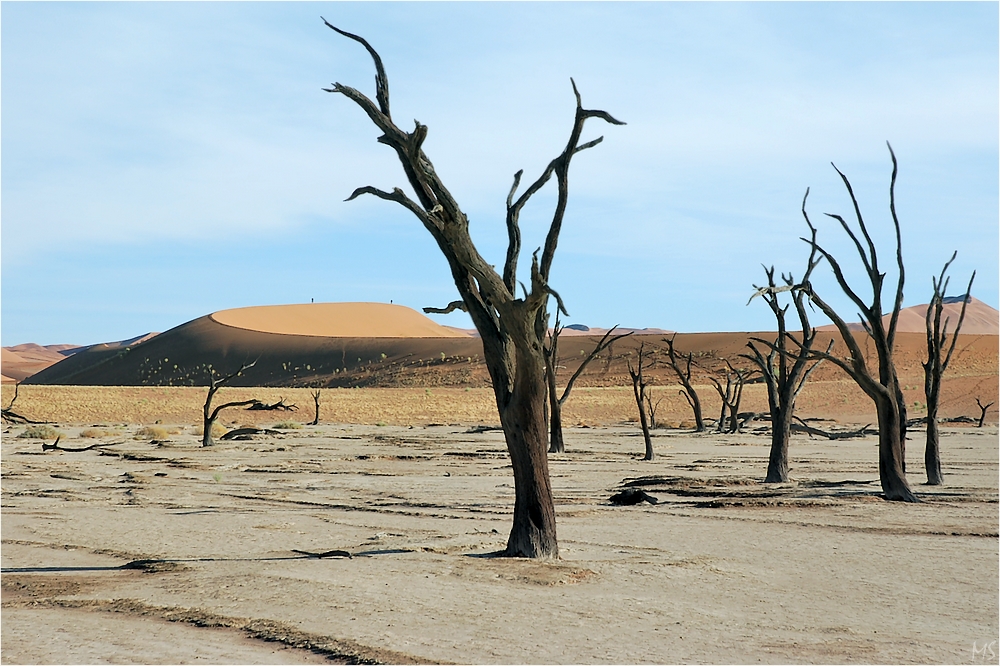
(166, 552)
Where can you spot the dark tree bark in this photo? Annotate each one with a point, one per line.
(512, 329)
(315, 396)
(215, 382)
(883, 386)
(556, 442)
(937, 363)
(784, 372)
(684, 379)
(639, 388)
(982, 416)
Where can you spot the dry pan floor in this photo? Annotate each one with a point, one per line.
(721, 569)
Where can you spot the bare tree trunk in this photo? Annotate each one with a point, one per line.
(982, 415)
(884, 388)
(721, 425)
(215, 382)
(639, 389)
(315, 396)
(534, 529)
(781, 432)
(651, 408)
(11, 416)
(684, 379)
(890, 452)
(556, 442)
(512, 329)
(784, 373)
(734, 416)
(731, 397)
(932, 451)
(937, 362)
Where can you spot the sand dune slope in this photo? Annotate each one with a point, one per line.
(21, 361)
(299, 345)
(980, 318)
(336, 320)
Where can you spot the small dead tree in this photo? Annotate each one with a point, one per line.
(684, 379)
(215, 382)
(512, 329)
(651, 408)
(10, 416)
(982, 415)
(556, 402)
(937, 363)
(315, 396)
(639, 388)
(731, 396)
(882, 386)
(784, 371)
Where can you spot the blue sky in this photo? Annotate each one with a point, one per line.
(161, 161)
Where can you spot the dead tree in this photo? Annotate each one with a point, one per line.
(725, 396)
(937, 363)
(556, 443)
(215, 382)
(639, 388)
(279, 406)
(10, 416)
(684, 379)
(982, 416)
(731, 397)
(882, 386)
(315, 396)
(512, 329)
(785, 372)
(651, 408)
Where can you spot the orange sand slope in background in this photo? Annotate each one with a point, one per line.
(980, 318)
(25, 360)
(336, 320)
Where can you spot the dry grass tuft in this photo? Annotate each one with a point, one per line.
(154, 432)
(96, 433)
(40, 432)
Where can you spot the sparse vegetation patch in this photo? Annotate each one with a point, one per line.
(40, 432)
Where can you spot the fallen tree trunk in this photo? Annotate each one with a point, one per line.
(849, 434)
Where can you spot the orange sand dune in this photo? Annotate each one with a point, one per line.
(980, 318)
(336, 320)
(21, 361)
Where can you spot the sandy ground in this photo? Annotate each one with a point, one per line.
(722, 569)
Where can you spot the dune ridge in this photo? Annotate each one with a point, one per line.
(336, 320)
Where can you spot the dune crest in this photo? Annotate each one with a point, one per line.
(980, 318)
(336, 320)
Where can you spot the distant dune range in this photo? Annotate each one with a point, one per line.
(377, 344)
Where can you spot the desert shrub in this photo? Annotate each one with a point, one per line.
(40, 432)
(152, 432)
(287, 425)
(96, 433)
